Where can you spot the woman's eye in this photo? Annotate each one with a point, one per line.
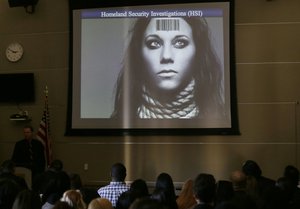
(153, 44)
(180, 43)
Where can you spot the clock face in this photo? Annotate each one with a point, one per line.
(14, 52)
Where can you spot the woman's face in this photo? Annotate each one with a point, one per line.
(168, 50)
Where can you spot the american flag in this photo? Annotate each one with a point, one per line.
(43, 133)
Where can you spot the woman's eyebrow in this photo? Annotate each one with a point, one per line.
(181, 36)
(153, 36)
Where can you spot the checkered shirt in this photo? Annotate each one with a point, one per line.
(113, 191)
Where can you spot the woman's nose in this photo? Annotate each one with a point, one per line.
(167, 54)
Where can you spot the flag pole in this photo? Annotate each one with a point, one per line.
(43, 133)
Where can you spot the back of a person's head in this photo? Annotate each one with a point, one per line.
(75, 181)
(238, 179)
(226, 205)
(125, 200)
(118, 172)
(49, 186)
(163, 196)
(56, 165)
(224, 191)
(165, 181)
(186, 190)
(205, 187)
(100, 203)
(8, 166)
(74, 199)
(147, 203)
(186, 197)
(187, 186)
(52, 181)
(160, 195)
(251, 168)
(292, 173)
(140, 188)
(9, 189)
(286, 185)
(27, 199)
(62, 205)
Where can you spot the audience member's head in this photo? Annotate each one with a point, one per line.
(162, 196)
(74, 199)
(125, 200)
(147, 203)
(27, 199)
(140, 188)
(100, 203)
(205, 188)
(7, 171)
(186, 197)
(88, 194)
(224, 191)
(118, 172)
(75, 180)
(8, 166)
(286, 185)
(56, 165)
(292, 173)
(164, 181)
(251, 168)
(226, 205)
(53, 182)
(9, 189)
(239, 180)
(251, 186)
(62, 205)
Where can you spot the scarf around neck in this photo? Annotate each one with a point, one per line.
(183, 106)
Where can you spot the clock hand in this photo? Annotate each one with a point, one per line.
(13, 51)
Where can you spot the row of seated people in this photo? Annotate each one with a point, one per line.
(246, 189)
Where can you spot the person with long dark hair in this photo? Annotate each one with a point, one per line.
(172, 70)
(164, 191)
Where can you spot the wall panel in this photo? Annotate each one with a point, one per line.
(268, 59)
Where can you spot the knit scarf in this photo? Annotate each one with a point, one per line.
(183, 106)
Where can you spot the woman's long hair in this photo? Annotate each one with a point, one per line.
(186, 197)
(74, 199)
(207, 72)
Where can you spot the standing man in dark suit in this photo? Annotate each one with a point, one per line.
(29, 153)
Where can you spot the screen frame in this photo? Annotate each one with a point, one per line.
(233, 130)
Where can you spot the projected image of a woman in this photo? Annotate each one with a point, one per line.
(170, 70)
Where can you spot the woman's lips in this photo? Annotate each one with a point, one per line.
(167, 73)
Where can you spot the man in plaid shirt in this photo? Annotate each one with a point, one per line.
(117, 185)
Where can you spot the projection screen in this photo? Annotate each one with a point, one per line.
(152, 69)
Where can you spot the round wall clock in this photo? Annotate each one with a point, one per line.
(14, 52)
